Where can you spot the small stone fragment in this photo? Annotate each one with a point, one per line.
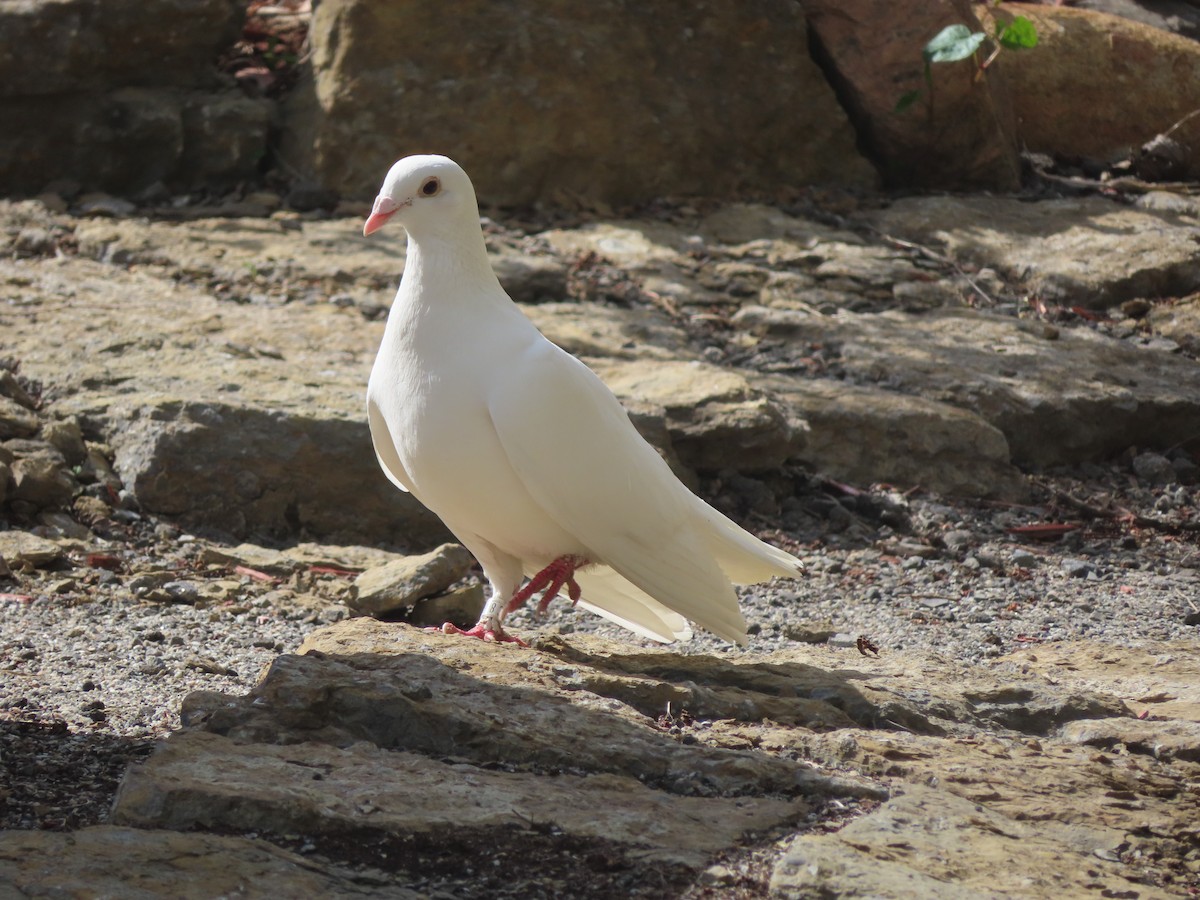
(400, 584)
(461, 606)
(1024, 559)
(15, 419)
(1078, 568)
(40, 481)
(21, 548)
(809, 632)
(67, 438)
(1154, 468)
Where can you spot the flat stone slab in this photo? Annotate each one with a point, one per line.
(1086, 251)
(952, 777)
(148, 864)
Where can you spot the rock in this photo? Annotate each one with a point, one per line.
(1079, 568)
(140, 864)
(928, 843)
(224, 139)
(1042, 395)
(531, 279)
(307, 197)
(402, 738)
(1061, 85)
(461, 606)
(1177, 16)
(1154, 468)
(67, 438)
(1162, 680)
(809, 632)
(1034, 709)
(119, 141)
(305, 555)
(401, 583)
(11, 388)
(104, 205)
(286, 472)
(959, 135)
(1164, 741)
(715, 418)
(1178, 321)
(861, 436)
(592, 332)
(1024, 559)
(205, 779)
(22, 548)
(546, 129)
(16, 420)
(124, 122)
(42, 482)
(1079, 252)
(5, 478)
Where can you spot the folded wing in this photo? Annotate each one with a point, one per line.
(584, 463)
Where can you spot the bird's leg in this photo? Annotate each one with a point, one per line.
(488, 627)
(551, 579)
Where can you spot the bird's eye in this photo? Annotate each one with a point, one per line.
(430, 187)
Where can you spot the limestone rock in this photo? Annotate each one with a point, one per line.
(572, 101)
(42, 482)
(401, 583)
(1062, 85)
(66, 437)
(460, 606)
(15, 419)
(200, 779)
(224, 139)
(927, 843)
(243, 468)
(988, 771)
(1043, 395)
(715, 418)
(1176, 16)
(1163, 740)
(21, 547)
(1088, 251)
(143, 864)
(960, 135)
(861, 436)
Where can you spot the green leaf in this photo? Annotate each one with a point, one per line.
(906, 101)
(1019, 34)
(952, 43)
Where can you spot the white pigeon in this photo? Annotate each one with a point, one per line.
(523, 451)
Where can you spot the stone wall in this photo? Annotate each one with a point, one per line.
(123, 95)
(609, 102)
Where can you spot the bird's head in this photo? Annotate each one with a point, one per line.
(426, 194)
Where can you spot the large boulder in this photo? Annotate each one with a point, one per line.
(560, 100)
(960, 135)
(1085, 62)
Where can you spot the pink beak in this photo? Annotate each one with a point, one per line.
(384, 209)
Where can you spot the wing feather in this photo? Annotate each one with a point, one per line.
(575, 450)
(385, 450)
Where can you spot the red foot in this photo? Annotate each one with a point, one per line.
(552, 578)
(483, 632)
